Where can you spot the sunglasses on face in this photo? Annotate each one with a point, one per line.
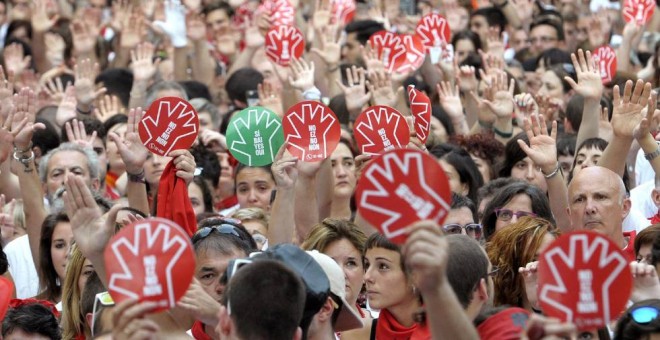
(101, 299)
(472, 229)
(644, 314)
(507, 214)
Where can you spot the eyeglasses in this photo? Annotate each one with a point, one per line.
(644, 314)
(507, 214)
(260, 239)
(224, 228)
(472, 229)
(105, 300)
(493, 271)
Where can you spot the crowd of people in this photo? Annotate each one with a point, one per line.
(533, 140)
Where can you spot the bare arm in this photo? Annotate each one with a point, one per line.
(282, 221)
(590, 86)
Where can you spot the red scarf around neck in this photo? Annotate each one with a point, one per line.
(388, 328)
(173, 201)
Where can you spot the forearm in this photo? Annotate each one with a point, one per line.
(649, 146)
(244, 59)
(325, 186)
(614, 155)
(138, 94)
(460, 125)
(181, 63)
(39, 52)
(122, 58)
(8, 182)
(136, 192)
(503, 128)
(203, 68)
(511, 15)
(33, 197)
(281, 226)
(429, 72)
(321, 81)
(445, 316)
(623, 56)
(306, 213)
(558, 196)
(471, 109)
(589, 124)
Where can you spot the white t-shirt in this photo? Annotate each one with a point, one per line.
(21, 267)
(641, 200)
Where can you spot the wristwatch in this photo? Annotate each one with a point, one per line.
(650, 156)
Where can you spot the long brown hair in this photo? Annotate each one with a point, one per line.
(511, 248)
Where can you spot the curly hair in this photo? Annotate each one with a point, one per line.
(482, 145)
(511, 248)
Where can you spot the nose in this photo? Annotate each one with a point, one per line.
(368, 276)
(531, 171)
(590, 207)
(514, 218)
(252, 196)
(219, 288)
(341, 171)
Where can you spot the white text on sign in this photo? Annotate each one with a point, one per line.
(162, 140)
(313, 141)
(386, 141)
(586, 303)
(422, 208)
(259, 149)
(151, 285)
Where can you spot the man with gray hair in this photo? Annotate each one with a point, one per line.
(597, 201)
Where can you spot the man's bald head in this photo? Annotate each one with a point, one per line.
(598, 174)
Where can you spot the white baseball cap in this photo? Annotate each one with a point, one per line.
(348, 318)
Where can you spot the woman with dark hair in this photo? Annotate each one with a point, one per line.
(254, 186)
(485, 151)
(390, 289)
(200, 195)
(465, 42)
(519, 166)
(640, 321)
(555, 87)
(342, 161)
(54, 245)
(513, 202)
(587, 154)
(462, 172)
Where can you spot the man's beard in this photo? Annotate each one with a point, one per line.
(56, 201)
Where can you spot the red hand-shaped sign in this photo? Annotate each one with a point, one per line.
(390, 49)
(639, 11)
(583, 278)
(415, 53)
(381, 128)
(605, 58)
(150, 260)
(312, 130)
(402, 187)
(434, 30)
(281, 11)
(343, 11)
(170, 124)
(6, 291)
(284, 43)
(420, 105)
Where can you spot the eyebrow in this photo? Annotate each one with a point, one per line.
(207, 269)
(383, 259)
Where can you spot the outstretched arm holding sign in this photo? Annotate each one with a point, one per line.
(281, 227)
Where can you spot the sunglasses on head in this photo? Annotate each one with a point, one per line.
(101, 299)
(472, 229)
(507, 214)
(224, 228)
(644, 314)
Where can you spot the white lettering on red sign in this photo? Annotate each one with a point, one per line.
(151, 285)
(313, 140)
(162, 140)
(423, 208)
(586, 304)
(386, 141)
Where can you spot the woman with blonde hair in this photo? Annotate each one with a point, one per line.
(255, 220)
(344, 242)
(73, 321)
(513, 248)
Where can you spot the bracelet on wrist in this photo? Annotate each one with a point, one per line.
(312, 94)
(136, 178)
(24, 160)
(91, 108)
(17, 150)
(553, 173)
(651, 156)
(502, 133)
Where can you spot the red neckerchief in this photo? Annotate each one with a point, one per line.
(388, 328)
(80, 337)
(655, 219)
(111, 186)
(227, 203)
(173, 201)
(198, 332)
(630, 248)
(13, 303)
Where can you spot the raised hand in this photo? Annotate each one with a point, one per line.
(542, 149)
(371, 60)
(530, 276)
(40, 20)
(16, 61)
(84, 36)
(355, 93)
(55, 47)
(466, 78)
(108, 107)
(646, 283)
(627, 110)
(322, 14)
(595, 34)
(86, 91)
(284, 169)
(450, 100)
(55, 89)
(589, 83)
(495, 43)
(427, 256)
(25, 103)
(76, 133)
(331, 49)
(130, 322)
(497, 97)
(200, 304)
(142, 63)
(525, 106)
(643, 129)
(604, 125)
(121, 13)
(175, 23)
(132, 151)
(67, 106)
(134, 31)
(6, 85)
(8, 132)
(270, 99)
(303, 74)
(380, 87)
